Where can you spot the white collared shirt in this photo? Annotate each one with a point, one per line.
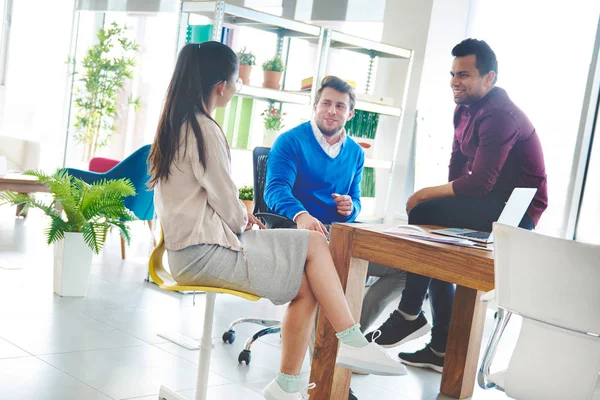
(333, 150)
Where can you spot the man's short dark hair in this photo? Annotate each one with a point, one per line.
(484, 55)
(337, 84)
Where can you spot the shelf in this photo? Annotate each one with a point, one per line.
(302, 98)
(243, 16)
(382, 109)
(380, 164)
(344, 41)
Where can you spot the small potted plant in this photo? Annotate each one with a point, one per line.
(272, 69)
(79, 229)
(246, 194)
(273, 123)
(247, 60)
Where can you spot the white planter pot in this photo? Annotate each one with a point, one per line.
(269, 138)
(72, 263)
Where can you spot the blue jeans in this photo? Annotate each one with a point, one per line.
(454, 212)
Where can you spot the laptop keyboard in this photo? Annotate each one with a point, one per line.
(476, 235)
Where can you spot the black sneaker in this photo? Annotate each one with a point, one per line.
(424, 358)
(397, 330)
(351, 395)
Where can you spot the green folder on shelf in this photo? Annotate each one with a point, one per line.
(235, 120)
(198, 33)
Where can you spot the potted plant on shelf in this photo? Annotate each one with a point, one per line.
(108, 65)
(272, 69)
(80, 216)
(273, 123)
(246, 194)
(247, 60)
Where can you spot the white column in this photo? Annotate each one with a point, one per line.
(430, 28)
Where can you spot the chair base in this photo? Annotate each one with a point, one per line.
(272, 326)
(180, 340)
(167, 394)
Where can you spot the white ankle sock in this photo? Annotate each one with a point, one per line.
(408, 317)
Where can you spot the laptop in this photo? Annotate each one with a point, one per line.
(513, 212)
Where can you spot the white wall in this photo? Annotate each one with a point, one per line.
(406, 24)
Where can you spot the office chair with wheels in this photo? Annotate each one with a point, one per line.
(260, 156)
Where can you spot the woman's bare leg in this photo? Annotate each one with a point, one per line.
(325, 283)
(320, 284)
(296, 328)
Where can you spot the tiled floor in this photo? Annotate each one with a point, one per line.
(105, 345)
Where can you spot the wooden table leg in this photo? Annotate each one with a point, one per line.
(464, 343)
(332, 382)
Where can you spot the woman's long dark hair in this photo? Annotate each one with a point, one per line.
(199, 68)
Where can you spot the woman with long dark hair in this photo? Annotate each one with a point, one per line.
(209, 235)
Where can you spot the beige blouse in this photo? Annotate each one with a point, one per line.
(197, 205)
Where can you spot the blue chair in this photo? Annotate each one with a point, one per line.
(134, 167)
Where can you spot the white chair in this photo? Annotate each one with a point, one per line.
(21, 155)
(554, 284)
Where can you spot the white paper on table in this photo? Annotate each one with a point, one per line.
(432, 237)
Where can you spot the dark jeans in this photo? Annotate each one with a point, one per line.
(454, 212)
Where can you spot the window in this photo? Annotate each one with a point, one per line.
(544, 51)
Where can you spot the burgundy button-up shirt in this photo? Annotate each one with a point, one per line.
(495, 150)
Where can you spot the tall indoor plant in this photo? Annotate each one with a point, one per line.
(80, 216)
(108, 65)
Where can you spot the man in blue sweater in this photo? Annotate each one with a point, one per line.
(315, 169)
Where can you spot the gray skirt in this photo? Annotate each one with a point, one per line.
(274, 268)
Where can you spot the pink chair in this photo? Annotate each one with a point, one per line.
(101, 164)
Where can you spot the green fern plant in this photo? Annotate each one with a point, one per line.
(89, 209)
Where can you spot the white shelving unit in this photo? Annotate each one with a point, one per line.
(326, 41)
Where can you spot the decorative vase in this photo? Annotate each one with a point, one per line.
(249, 206)
(245, 73)
(269, 137)
(72, 264)
(271, 80)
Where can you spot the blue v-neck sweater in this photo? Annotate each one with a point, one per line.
(302, 177)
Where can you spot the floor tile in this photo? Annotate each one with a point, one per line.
(46, 333)
(130, 372)
(29, 378)
(9, 350)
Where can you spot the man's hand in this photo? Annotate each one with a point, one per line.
(429, 193)
(343, 203)
(252, 220)
(414, 200)
(307, 221)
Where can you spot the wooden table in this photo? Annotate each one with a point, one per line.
(352, 245)
(21, 184)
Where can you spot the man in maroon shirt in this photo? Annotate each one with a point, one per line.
(495, 150)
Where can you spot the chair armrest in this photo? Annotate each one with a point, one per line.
(489, 296)
(275, 221)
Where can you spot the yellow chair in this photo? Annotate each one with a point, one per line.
(165, 281)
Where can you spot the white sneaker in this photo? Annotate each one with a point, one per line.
(371, 359)
(274, 392)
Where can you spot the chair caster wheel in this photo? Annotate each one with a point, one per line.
(229, 336)
(245, 356)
